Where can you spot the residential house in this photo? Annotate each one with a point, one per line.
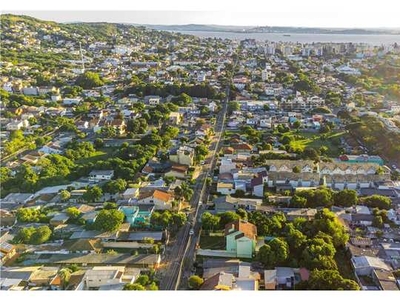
(99, 277)
(7, 251)
(385, 280)
(59, 218)
(82, 246)
(241, 238)
(72, 101)
(138, 215)
(225, 188)
(17, 125)
(178, 171)
(153, 100)
(183, 155)
(257, 184)
(227, 165)
(160, 199)
(17, 198)
(130, 193)
(119, 126)
(285, 278)
(100, 175)
(365, 265)
(228, 203)
(220, 281)
(175, 118)
(7, 218)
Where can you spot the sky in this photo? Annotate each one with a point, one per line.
(302, 13)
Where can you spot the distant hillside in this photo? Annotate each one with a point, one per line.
(199, 27)
(272, 29)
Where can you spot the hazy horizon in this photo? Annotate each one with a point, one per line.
(162, 18)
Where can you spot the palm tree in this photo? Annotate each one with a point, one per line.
(65, 275)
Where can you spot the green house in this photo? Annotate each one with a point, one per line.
(241, 238)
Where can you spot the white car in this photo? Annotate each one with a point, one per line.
(191, 232)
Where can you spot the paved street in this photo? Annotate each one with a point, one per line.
(181, 254)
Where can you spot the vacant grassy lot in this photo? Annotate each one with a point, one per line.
(212, 242)
(344, 264)
(316, 140)
(98, 155)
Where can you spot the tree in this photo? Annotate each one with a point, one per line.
(73, 212)
(233, 106)
(178, 219)
(93, 194)
(381, 202)
(195, 282)
(152, 287)
(41, 235)
(133, 287)
(330, 280)
(26, 215)
(98, 143)
(274, 253)
(65, 275)
(142, 280)
(182, 100)
(296, 169)
(209, 221)
(65, 195)
(295, 238)
(24, 235)
(310, 153)
(377, 222)
(327, 222)
(318, 197)
(30, 235)
(296, 124)
(298, 201)
(345, 198)
(242, 213)
(228, 217)
(115, 186)
(110, 205)
(109, 220)
(319, 254)
(89, 80)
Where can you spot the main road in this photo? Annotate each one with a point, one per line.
(180, 256)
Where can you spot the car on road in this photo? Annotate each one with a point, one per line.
(191, 232)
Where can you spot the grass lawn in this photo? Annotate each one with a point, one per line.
(212, 242)
(98, 155)
(314, 140)
(344, 265)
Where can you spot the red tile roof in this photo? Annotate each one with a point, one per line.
(249, 230)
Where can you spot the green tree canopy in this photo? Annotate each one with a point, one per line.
(228, 217)
(209, 221)
(115, 186)
(73, 212)
(89, 80)
(381, 202)
(345, 198)
(330, 280)
(109, 220)
(134, 287)
(194, 282)
(274, 253)
(93, 194)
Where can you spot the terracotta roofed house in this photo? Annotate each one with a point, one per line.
(241, 238)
